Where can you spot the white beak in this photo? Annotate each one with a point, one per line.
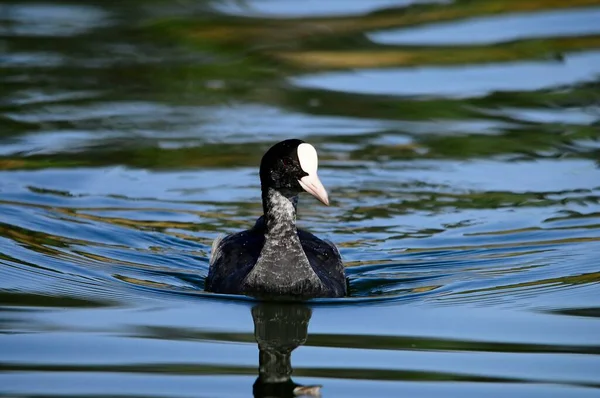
(313, 186)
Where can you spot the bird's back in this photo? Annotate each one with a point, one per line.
(326, 261)
(232, 258)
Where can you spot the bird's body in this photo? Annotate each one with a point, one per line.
(274, 259)
(295, 264)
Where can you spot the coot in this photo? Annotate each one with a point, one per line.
(274, 259)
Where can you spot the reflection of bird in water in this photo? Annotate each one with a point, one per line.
(279, 329)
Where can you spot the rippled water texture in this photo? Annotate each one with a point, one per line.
(459, 141)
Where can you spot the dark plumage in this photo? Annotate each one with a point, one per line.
(274, 259)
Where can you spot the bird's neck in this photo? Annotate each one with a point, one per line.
(282, 269)
(279, 212)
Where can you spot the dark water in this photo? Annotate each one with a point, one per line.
(459, 141)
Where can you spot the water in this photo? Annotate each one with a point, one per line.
(459, 142)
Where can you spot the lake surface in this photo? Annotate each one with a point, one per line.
(459, 142)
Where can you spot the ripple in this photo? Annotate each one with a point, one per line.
(461, 81)
(288, 9)
(52, 19)
(159, 246)
(495, 29)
